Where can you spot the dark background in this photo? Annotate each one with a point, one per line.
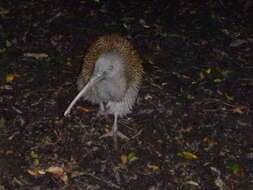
(191, 127)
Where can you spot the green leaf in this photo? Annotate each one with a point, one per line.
(208, 71)
(190, 97)
(234, 168)
(7, 43)
(217, 80)
(34, 155)
(2, 122)
(2, 50)
(230, 98)
(132, 156)
(36, 162)
(189, 155)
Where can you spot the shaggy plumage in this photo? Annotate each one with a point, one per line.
(111, 77)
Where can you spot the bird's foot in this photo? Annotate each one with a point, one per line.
(118, 133)
(101, 113)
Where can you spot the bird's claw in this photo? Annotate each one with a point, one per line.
(118, 133)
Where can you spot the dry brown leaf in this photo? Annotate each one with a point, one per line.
(204, 42)
(57, 37)
(92, 13)
(208, 141)
(202, 76)
(158, 154)
(64, 178)
(59, 122)
(240, 173)
(55, 170)
(35, 172)
(240, 109)
(36, 55)
(9, 152)
(81, 108)
(58, 172)
(154, 167)
(11, 77)
(124, 159)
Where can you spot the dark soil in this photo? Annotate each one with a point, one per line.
(191, 127)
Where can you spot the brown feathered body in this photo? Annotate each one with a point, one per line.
(111, 77)
(118, 92)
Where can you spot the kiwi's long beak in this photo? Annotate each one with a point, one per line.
(94, 79)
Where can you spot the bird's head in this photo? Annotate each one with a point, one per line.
(108, 66)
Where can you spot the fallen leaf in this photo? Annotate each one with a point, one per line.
(132, 156)
(36, 162)
(217, 80)
(238, 42)
(189, 155)
(220, 183)
(143, 23)
(210, 142)
(64, 178)
(34, 155)
(59, 122)
(58, 172)
(123, 159)
(9, 152)
(192, 183)
(230, 98)
(202, 76)
(11, 77)
(158, 154)
(204, 42)
(148, 97)
(35, 172)
(240, 109)
(36, 55)
(3, 11)
(68, 63)
(154, 167)
(235, 168)
(55, 170)
(81, 108)
(185, 77)
(240, 173)
(208, 71)
(7, 43)
(190, 97)
(57, 37)
(2, 50)
(2, 122)
(92, 13)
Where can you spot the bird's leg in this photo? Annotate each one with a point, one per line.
(101, 107)
(101, 110)
(115, 132)
(100, 114)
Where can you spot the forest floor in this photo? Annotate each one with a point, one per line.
(191, 127)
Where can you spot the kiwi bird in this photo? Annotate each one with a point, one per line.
(111, 76)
